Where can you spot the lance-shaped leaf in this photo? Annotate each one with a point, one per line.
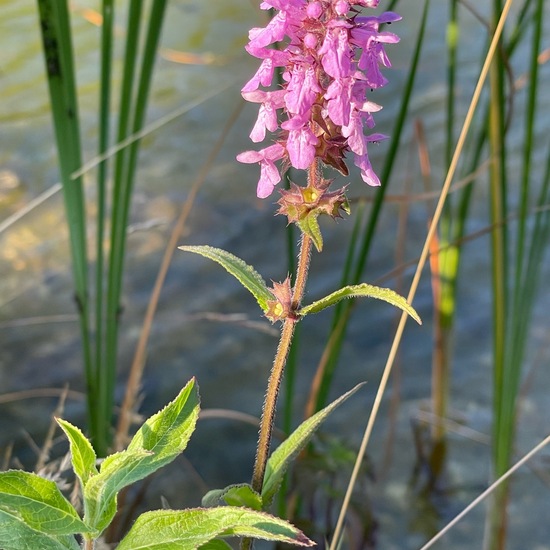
(364, 289)
(15, 534)
(286, 452)
(83, 456)
(234, 495)
(38, 503)
(159, 441)
(189, 529)
(245, 273)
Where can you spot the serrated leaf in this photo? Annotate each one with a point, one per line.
(363, 289)
(310, 226)
(83, 456)
(281, 458)
(15, 534)
(193, 528)
(159, 441)
(39, 503)
(212, 498)
(243, 272)
(235, 495)
(117, 471)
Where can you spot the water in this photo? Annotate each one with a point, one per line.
(39, 345)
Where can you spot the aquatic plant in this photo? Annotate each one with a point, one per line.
(98, 299)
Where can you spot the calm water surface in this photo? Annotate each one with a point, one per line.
(39, 346)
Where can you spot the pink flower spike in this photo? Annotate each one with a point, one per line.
(331, 57)
(274, 32)
(314, 10)
(269, 175)
(341, 7)
(354, 132)
(368, 3)
(282, 4)
(377, 138)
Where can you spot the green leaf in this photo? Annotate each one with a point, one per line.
(39, 503)
(310, 226)
(192, 528)
(245, 273)
(234, 495)
(15, 534)
(159, 441)
(363, 289)
(83, 456)
(284, 454)
(216, 544)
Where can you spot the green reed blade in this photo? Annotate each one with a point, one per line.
(444, 314)
(131, 119)
(538, 244)
(58, 52)
(108, 360)
(509, 339)
(342, 311)
(499, 240)
(104, 123)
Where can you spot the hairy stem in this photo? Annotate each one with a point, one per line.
(274, 383)
(279, 363)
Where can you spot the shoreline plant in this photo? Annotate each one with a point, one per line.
(329, 55)
(331, 59)
(325, 56)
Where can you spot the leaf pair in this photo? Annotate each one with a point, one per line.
(255, 284)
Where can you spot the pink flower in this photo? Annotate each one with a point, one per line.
(267, 116)
(339, 103)
(336, 53)
(269, 175)
(331, 57)
(301, 143)
(302, 91)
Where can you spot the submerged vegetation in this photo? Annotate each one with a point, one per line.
(322, 64)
